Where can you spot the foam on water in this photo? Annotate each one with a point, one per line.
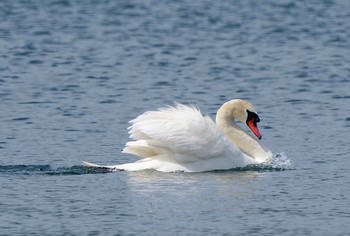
(279, 161)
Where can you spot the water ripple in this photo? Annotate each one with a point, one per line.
(48, 170)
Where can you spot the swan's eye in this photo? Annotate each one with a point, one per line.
(252, 116)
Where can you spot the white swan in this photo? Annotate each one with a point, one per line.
(180, 138)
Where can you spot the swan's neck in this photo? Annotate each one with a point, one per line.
(241, 138)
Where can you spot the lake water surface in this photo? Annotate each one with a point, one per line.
(73, 73)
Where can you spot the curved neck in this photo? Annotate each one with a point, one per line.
(245, 142)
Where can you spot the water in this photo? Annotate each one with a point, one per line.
(73, 73)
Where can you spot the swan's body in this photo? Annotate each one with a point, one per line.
(180, 138)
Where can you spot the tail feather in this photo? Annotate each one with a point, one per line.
(145, 148)
(137, 148)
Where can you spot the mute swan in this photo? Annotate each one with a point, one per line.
(180, 138)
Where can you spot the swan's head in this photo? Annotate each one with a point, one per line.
(243, 111)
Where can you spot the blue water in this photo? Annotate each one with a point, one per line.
(73, 73)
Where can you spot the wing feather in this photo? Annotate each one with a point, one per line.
(181, 131)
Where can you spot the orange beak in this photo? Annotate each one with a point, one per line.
(252, 124)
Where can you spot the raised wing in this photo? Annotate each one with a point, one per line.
(181, 132)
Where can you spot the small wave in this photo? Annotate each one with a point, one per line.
(278, 162)
(23, 168)
(281, 161)
(76, 170)
(48, 170)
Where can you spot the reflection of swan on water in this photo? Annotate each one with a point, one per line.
(180, 138)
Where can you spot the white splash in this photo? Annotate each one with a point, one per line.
(279, 161)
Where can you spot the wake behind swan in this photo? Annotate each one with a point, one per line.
(180, 138)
